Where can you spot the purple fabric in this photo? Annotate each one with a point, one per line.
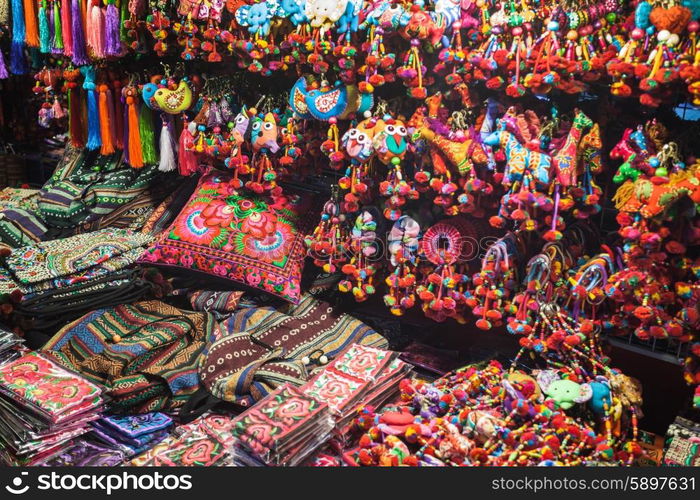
(85, 454)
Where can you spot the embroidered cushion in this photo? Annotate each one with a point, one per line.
(254, 240)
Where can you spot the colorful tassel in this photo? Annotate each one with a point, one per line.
(106, 121)
(5, 12)
(77, 34)
(3, 67)
(44, 34)
(66, 29)
(133, 143)
(18, 62)
(96, 30)
(112, 42)
(148, 136)
(57, 42)
(167, 148)
(94, 140)
(75, 118)
(30, 23)
(57, 109)
(187, 160)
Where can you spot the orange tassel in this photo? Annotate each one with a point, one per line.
(30, 23)
(105, 123)
(135, 153)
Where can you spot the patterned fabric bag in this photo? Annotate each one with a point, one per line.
(90, 187)
(55, 264)
(266, 348)
(146, 354)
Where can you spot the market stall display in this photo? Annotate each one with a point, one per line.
(252, 190)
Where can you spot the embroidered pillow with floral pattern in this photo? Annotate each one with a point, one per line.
(254, 240)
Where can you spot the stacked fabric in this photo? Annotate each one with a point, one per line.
(361, 375)
(283, 429)
(204, 442)
(83, 453)
(9, 343)
(42, 407)
(146, 354)
(59, 280)
(133, 434)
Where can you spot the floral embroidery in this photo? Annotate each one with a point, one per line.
(251, 239)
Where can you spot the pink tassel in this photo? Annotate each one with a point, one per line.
(187, 159)
(66, 32)
(58, 111)
(96, 30)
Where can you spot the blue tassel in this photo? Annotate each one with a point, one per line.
(641, 15)
(44, 33)
(94, 140)
(18, 62)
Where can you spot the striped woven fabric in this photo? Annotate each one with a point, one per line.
(90, 188)
(266, 348)
(19, 227)
(146, 353)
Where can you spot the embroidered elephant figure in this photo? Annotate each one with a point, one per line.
(257, 17)
(324, 13)
(565, 393)
(350, 20)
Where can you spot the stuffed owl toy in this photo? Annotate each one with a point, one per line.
(263, 133)
(357, 142)
(390, 140)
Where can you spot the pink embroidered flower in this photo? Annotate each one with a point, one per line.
(220, 270)
(23, 374)
(292, 410)
(259, 224)
(271, 248)
(253, 278)
(190, 226)
(186, 260)
(218, 213)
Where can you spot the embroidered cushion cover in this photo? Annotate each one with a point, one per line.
(253, 240)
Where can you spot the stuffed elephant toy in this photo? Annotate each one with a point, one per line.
(565, 393)
(350, 20)
(601, 398)
(257, 17)
(325, 13)
(292, 10)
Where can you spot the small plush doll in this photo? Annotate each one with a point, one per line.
(263, 134)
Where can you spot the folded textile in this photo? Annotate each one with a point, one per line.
(82, 454)
(283, 429)
(268, 347)
(146, 354)
(359, 376)
(205, 441)
(22, 198)
(132, 434)
(42, 406)
(84, 257)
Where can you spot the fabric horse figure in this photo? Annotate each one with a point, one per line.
(564, 161)
(626, 150)
(461, 154)
(520, 160)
